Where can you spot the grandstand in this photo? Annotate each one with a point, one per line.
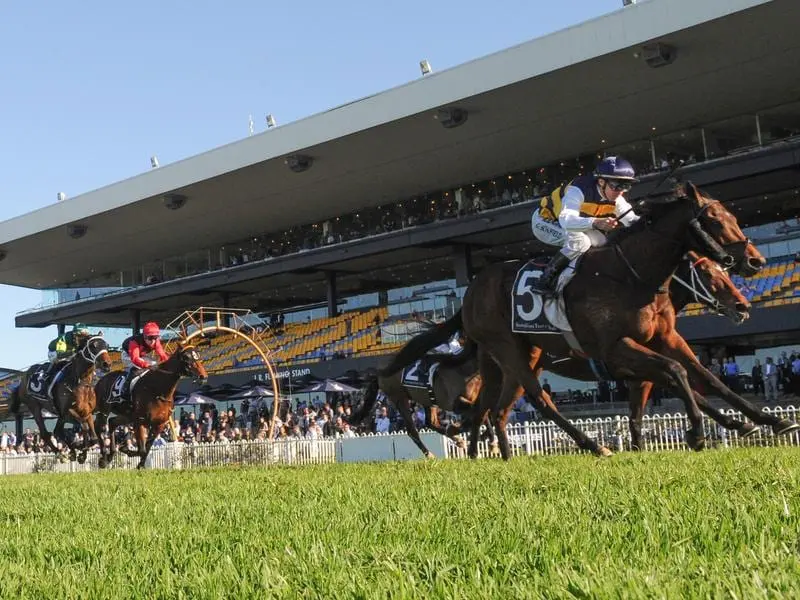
(390, 200)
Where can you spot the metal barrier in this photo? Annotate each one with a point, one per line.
(659, 433)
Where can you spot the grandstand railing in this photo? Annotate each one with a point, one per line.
(659, 432)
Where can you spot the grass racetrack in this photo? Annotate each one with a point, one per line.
(717, 524)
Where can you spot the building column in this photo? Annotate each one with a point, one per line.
(61, 329)
(225, 298)
(462, 263)
(332, 297)
(136, 320)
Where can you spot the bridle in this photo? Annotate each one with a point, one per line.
(699, 290)
(87, 354)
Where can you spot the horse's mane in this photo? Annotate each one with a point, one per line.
(654, 212)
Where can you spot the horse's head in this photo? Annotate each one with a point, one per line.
(190, 363)
(710, 284)
(733, 249)
(94, 350)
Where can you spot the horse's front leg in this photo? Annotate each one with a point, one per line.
(676, 347)
(629, 359)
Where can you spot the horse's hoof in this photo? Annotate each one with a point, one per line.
(603, 452)
(695, 442)
(784, 426)
(430, 455)
(636, 448)
(745, 430)
(101, 463)
(82, 458)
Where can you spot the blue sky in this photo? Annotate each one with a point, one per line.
(92, 89)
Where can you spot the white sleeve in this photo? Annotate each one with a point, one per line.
(570, 216)
(623, 207)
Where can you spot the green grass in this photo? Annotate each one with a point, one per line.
(718, 524)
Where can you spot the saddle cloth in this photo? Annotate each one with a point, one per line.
(419, 374)
(117, 393)
(530, 313)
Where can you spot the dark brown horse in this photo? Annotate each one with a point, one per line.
(455, 385)
(620, 313)
(72, 395)
(696, 279)
(613, 304)
(152, 399)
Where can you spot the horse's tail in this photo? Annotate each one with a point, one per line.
(370, 397)
(420, 344)
(15, 400)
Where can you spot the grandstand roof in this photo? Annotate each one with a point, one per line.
(545, 99)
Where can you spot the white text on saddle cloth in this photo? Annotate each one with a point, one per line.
(530, 313)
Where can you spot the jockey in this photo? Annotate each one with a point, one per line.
(65, 346)
(138, 347)
(586, 208)
(62, 349)
(453, 346)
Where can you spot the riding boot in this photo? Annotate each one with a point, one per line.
(545, 285)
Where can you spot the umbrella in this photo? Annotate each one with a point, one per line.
(193, 398)
(258, 391)
(328, 385)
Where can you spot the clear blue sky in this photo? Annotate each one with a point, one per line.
(90, 89)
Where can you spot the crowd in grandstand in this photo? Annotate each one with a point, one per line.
(466, 199)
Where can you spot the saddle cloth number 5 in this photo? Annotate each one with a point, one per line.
(524, 290)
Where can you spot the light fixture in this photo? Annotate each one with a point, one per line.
(76, 230)
(657, 55)
(61, 196)
(451, 117)
(270, 121)
(299, 162)
(425, 67)
(154, 162)
(174, 201)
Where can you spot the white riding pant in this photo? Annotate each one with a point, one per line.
(578, 242)
(547, 232)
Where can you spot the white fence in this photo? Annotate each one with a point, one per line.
(659, 433)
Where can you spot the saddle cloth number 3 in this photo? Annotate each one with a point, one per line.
(523, 292)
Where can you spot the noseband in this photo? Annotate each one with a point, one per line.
(699, 290)
(86, 352)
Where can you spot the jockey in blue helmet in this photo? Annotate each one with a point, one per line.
(586, 209)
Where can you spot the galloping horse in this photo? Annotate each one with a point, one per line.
(696, 279)
(620, 313)
(455, 385)
(152, 398)
(72, 394)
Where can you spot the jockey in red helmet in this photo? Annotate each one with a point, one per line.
(141, 346)
(586, 209)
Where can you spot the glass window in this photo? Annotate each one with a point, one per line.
(731, 136)
(780, 122)
(682, 145)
